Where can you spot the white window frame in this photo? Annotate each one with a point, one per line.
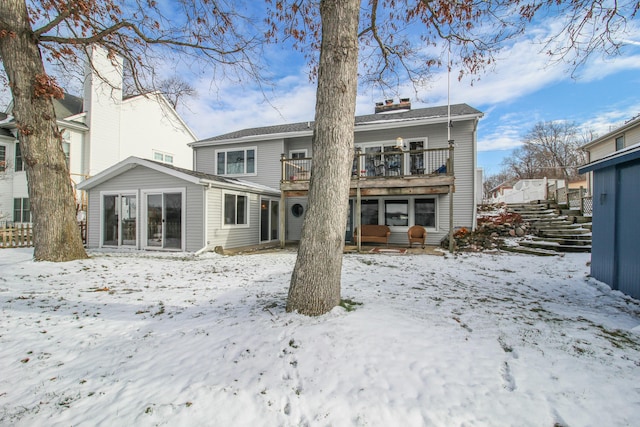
(3, 161)
(411, 211)
(304, 151)
(142, 213)
(164, 157)
(138, 218)
(244, 149)
(247, 209)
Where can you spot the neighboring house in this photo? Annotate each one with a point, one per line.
(525, 190)
(615, 224)
(403, 170)
(98, 130)
(144, 204)
(616, 140)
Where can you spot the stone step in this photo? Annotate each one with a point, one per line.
(555, 246)
(569, 240)
(530, 251)
(541, 214)
(557, 226)
(564, 233)
(570, 212)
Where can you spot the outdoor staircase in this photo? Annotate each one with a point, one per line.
(553, 229)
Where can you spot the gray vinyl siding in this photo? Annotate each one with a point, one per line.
(231, 236)
(141, 178)
(268, 154)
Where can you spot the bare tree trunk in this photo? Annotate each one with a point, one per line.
(315, 282)
(55, 231)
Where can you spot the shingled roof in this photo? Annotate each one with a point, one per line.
(399, 116)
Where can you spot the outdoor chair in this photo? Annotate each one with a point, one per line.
(417, 234)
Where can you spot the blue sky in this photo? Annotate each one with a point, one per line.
(522, 89)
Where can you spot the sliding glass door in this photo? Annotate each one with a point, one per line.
(119, 220)
(164, 220)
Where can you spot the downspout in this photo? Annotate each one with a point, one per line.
(358, 201)
(282, 219)
(207, 247)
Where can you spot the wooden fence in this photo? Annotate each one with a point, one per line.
(21, 235)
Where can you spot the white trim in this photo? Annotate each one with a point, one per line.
(270, 200)
(300, 150)
(247, 210)
(118, 194)
(144, 215)
(232, 149)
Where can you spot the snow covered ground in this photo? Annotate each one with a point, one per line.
(170, 339)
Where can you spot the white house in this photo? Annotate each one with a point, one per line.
(98, 130)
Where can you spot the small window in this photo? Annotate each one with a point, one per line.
(297, 210)
(162, 157)
(18, 160)
(236, 209)
(298, 154)
(396, 212)
(3, 158)
(620, 143)
(369, 212)
(21, 210)
(66, 149)
(425, 212)
(236, 162)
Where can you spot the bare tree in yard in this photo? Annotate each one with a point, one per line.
(58, 32)
(550, 149)
(395, 38)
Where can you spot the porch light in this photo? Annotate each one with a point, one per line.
(399, 143)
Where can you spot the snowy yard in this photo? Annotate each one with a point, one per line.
(169, 339)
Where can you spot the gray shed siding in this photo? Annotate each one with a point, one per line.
(616, 229)
(628, 230)
(142, 178)
(604, 225)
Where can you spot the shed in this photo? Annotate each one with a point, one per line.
(144, 204)
(615, 253)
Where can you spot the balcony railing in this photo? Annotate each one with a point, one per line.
(392, 163)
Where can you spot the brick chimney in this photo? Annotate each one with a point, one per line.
(388, 106)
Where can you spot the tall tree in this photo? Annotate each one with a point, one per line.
(59, 32)
(396, 39)
(313, 287)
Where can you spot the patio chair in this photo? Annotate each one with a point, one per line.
(417, 234)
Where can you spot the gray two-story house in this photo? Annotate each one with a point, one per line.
(410, 167)
(406, 167)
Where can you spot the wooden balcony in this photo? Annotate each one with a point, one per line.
(396, 172)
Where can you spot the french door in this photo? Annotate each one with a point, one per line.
(269, 219)
(164, 223)
(119, 220)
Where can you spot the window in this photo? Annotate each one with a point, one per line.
(236, 209)
(425, 212)
(18, 162)
(298, 154)
(396, 212)
(620, 143)
(416, 160)
(369, 212)
(236, 162)
(162, 157)
(21, 210)
(66, 148)
(3, 158)
(297, 210)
